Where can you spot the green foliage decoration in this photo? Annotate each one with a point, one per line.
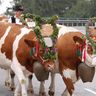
(93, 19)
(49, 53)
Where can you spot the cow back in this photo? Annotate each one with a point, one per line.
(9, 39)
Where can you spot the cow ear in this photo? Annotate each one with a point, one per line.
(78, 39)
(29, 42)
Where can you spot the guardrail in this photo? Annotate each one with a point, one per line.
(73, 22)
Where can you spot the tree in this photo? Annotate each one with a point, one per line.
(62, 8)
(47, 7)
(93, 8)
(80, 10)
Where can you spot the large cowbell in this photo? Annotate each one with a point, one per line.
(85, 72)
(39, 71)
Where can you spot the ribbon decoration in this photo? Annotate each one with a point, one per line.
(84, 52)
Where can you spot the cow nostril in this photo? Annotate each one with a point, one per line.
(50, 66)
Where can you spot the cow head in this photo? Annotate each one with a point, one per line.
(48, 64)
(81, 42)
(46, 34)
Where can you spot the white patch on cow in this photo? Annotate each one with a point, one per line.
(48, 41)
(16, 44)
(26, 72)
(2, 40)
(4, 62)
(68, 73)
(64, 29)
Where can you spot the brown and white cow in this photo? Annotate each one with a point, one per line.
(67, 61)
(3, 18)
(9, 80)
(15, 45)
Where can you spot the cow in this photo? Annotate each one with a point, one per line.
(16, 41)
(9, 80)
(67, 60)
(65, 55)
(63, 30)
(3, 18)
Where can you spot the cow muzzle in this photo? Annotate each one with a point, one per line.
(49, 65)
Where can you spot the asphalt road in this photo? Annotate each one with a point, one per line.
(81, 89)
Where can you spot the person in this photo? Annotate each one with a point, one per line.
(86, 55)
(90, 22)
(85, 52)
(18, 9)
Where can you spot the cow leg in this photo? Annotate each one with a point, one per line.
(69, 84)
(42, 89)
(16, 67)
(65, 93)
(9, 82)
(17, 91)
(52, 85)
(68, 81)
(8, 78)
(30, 85)
(12, 86)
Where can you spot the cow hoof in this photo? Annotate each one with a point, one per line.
(51, 93)
(19, 94)
(12, 88)
(7, 84)
(42, 94)
(63, 94)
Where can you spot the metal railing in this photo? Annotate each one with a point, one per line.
(73, 22)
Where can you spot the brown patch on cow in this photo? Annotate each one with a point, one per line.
(3, 27)
(2, 17)
(66, 48)
(69, 85)
(30, 43)
(23, 51)
(9, 40)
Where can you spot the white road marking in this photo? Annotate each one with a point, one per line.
(89, 90)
